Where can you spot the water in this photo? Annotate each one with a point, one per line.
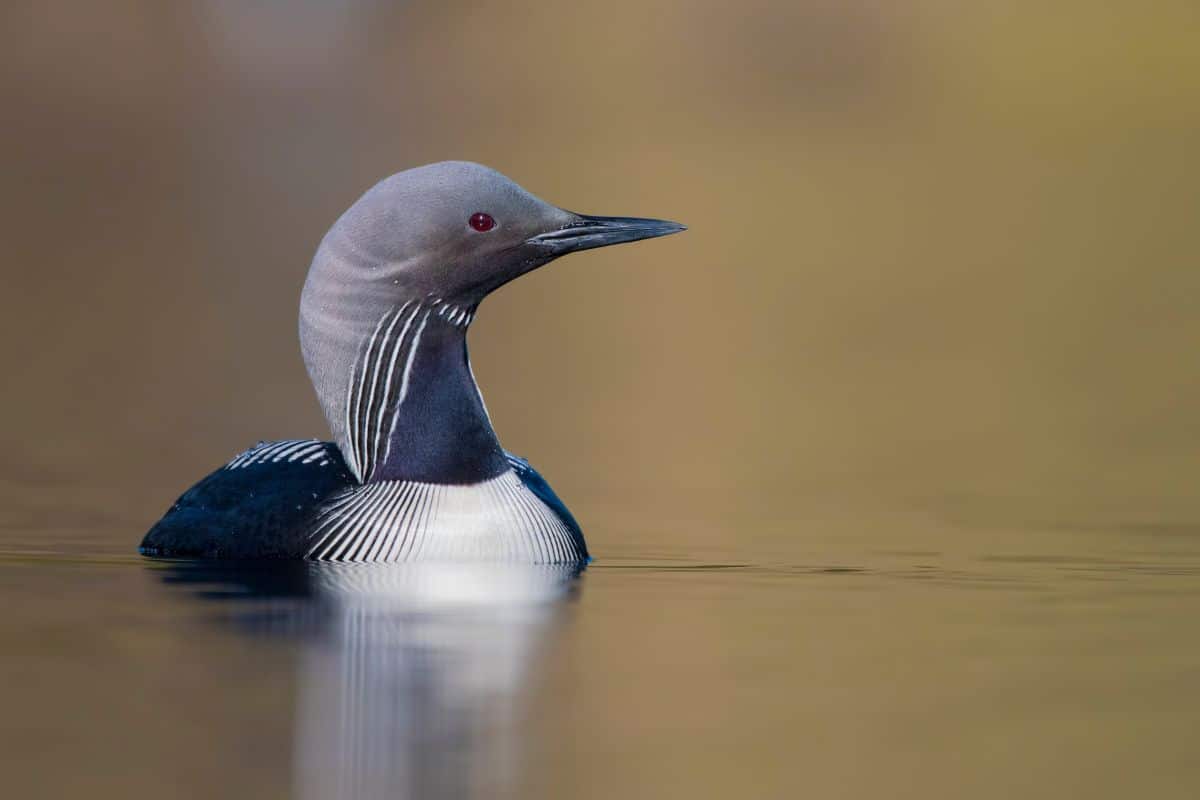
(888, 463)
(854, 652)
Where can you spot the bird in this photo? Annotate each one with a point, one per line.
(414, 471)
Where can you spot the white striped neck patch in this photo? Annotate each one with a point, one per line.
(382, 376)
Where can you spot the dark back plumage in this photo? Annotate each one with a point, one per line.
(259, 505)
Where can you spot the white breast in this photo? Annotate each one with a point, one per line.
(392, 521)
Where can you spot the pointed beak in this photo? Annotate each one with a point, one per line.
(585, 233)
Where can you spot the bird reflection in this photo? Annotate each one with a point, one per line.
(411, 676)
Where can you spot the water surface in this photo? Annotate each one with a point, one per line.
(910, 651)
(888, 463)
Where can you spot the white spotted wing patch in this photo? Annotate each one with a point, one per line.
(304, 451)
(395, 521)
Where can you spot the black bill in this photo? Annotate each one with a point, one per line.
(586, 233)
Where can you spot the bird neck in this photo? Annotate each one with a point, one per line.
(400, 396)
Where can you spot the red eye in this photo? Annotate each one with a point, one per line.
(482, 222)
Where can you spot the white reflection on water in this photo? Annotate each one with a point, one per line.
(414, 690)
(412, 677)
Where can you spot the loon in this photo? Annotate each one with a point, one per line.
(415, 471)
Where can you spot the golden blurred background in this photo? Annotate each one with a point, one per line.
(935, 318)
(935, 248)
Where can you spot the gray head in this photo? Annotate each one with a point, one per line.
(459, 230)
(439, 237)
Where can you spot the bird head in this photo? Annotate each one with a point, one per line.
(458, 231)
